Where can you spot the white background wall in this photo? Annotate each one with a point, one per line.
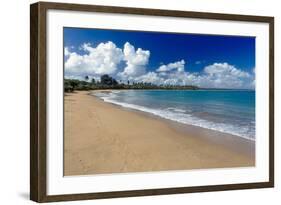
(14, 101)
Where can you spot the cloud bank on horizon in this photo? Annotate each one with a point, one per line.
(130, 63)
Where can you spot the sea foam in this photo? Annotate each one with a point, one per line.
(180, 116)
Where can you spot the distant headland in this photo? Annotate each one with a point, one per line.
(108, 82)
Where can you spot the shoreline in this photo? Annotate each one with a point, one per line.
(242, 144)
(134, 109)
(156, 144)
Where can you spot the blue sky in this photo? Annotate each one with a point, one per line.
(203, 60)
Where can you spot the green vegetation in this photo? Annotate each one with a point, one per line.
(107, 82)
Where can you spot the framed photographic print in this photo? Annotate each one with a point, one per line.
(134, 102)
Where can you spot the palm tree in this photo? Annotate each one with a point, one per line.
(93, 81)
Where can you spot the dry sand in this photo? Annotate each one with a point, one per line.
(103, 138)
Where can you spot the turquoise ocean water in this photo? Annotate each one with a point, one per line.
(228, 111)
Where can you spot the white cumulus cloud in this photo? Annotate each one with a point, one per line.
(217, 75)
(129, 63)
(224, 75)
(136, 61)
(150, 77)
(106, 58)
(224, 69)
(102, 59)
(179, 66)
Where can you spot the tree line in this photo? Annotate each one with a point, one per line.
(107, 82)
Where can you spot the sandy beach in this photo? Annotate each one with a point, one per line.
(102, 138)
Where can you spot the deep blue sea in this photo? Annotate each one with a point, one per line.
(228, 111)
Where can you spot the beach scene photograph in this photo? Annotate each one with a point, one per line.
(143, 101)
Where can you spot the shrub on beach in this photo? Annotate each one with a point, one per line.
(107, 82)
